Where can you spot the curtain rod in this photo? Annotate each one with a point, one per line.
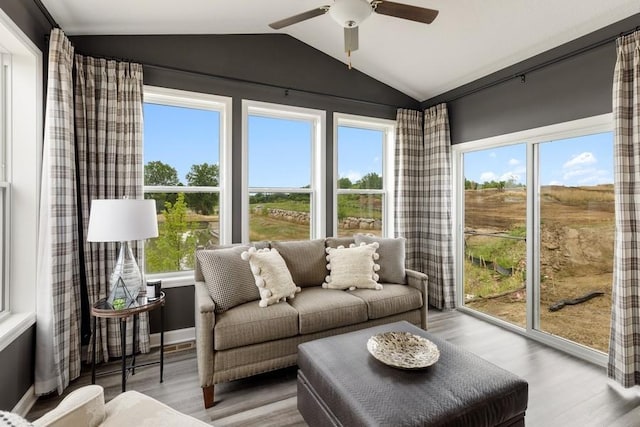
(522, 75)
(287, 90)
(46, 13)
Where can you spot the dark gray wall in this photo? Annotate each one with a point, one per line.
(573, 88)
(16, 369)
(17, 360)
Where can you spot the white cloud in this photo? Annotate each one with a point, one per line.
(492, 154)
(510, 176)
(352, 175)
(488, 176)
(514, 162)
(555, 183)
(581, 159)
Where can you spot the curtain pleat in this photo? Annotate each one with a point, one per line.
(409, 184)
(624, 344)
(438, 262)
(58, 299)
(109, 141)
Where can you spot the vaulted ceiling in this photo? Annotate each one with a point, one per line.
(468, 40)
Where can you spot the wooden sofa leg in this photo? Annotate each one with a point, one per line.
(207, 394)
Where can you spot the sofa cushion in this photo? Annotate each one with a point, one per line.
(351, 268)
(227, 276)
(391, 261)
(392, 299)
(322, 309)
(305, 260)
(271, 274)
(334, 242)
(250, 324)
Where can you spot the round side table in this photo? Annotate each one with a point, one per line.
(143, 304)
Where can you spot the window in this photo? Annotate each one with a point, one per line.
(21, 125)
(283, 172)
(364, 175)
(536, 228)
(186, 166)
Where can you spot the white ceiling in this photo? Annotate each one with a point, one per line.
(468, 40)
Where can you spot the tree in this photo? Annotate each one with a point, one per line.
(344, 182)
(204, 174)
(370, 181)
(173, 249)
(159, 173)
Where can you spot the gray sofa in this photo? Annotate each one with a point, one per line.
(235, 338)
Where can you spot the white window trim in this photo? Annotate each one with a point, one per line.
(202, 101)
(24, 148)
(388, 166)
(318, 161)
(530, 137)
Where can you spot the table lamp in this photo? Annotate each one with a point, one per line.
(123, 220)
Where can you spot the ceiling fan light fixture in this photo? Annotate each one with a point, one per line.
(350, 13)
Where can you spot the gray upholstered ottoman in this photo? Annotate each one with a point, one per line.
(340, 383)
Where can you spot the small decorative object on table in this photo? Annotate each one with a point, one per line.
(154, 287)
(403, 350)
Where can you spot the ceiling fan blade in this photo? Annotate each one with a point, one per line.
(299, 17)
(405, 11)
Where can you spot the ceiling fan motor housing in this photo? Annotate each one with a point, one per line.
(350, 13)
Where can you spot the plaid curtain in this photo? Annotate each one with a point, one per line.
(409, 184)
(624, 344)
(437, 241)
(58, 301)
(109, 141)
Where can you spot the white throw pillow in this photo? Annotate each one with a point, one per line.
(353, 267)
(271, 274)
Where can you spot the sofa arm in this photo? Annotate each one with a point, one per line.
(420, 281)
(205, 322)
(82, 407)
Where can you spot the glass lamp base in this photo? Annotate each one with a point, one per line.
(126, 280)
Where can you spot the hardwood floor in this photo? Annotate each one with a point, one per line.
(563, 390)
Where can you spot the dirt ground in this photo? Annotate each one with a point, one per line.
(577, 234)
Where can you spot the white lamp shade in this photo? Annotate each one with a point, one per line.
(122, 220)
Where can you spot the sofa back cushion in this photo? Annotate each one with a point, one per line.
(227, 276)
(334, 242)
(392, 254)
(305, 260)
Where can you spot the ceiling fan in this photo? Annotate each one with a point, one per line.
(351, 13)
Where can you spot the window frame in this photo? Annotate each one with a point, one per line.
(388, 128)
(202, 101)
(23, 145)
(532, 138)
(317, 190)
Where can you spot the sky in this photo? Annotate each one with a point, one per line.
(279, 149)
(582, 161)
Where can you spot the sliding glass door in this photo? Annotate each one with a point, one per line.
(494, 236)
(535, 231)
(577, 221)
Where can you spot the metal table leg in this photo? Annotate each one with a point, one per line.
(123, 343)
(93, 360)
(161, 342)
(133, 345)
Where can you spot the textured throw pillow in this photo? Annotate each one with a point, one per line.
(353, 267)
(305, 260)
(271, 275)
(228, 277)
(392, 253)
(334, 242)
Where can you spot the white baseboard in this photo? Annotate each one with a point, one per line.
(25, 404)
(176, 336)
